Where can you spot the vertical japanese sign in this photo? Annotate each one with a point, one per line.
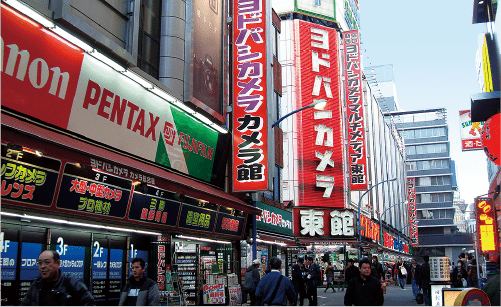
(319, 144)
(487, 225)
(355, 111)
(470, 132)
(250, 123)
(162, 245)
(411, 198)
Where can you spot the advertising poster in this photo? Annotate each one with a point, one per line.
(214, 294)
(471, 132)
(235, 295)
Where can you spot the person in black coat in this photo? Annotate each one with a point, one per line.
(424, 280)
(459, 274)
(365, 290)
(298, 274)
(377, 269)
(351, 271)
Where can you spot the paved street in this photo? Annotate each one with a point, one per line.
(394, 296)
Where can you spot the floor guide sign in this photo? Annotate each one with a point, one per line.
(43, 75)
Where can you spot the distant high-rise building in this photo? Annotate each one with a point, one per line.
(429, 163)
(382, 83)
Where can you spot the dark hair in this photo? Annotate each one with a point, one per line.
(474, 261)
(300, 260)
(470, 256)
(55, 255)
(275, 263)
(309, 258)
(426, 258)
(364, 260)
(140, 260)
(351, 260)
(374, 257)
(461, 255)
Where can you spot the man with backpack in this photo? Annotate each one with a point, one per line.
(252, 278)
(313, 280)
(274, 289)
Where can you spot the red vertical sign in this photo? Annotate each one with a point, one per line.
(487, 225)
(411, 198)
(319, 137)
(355, 111)
(250, 124)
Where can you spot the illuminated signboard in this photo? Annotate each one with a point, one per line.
(470, 132)
(355, 111)
(486, 225)
(411, 197)
(319, 132)
(323, 223)
(370, 229)
(250, 118)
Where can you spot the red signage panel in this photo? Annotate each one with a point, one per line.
(319, 137)
(355, 111)
(250, 161)
(322, 222)
(411, 198)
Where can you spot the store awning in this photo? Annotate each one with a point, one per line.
(210, 193)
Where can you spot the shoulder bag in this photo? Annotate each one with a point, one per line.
(274, 291)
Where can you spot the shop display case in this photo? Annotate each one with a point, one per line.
(187, 270)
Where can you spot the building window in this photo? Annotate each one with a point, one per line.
(318, 2)
(277, 104)
(148, 53)
(433, 181)
(433, 198)
(426, 149)
(276, 184)
(425, 133)
(276, 42)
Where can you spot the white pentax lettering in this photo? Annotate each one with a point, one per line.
(38, 70)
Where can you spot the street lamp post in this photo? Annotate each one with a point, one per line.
(359, 223)
(318, 104)
(381, 221)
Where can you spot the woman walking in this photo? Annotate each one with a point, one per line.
(329, 273)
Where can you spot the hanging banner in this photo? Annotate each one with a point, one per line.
(471, 132)
(355, 111)
(487, 231)
(250, 132)
(411, 198)
(319, 138)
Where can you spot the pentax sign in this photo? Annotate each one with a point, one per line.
(319, 132)
(487, 231)
(250, 132)
(355, 111)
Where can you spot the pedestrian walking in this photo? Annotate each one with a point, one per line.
(340, 281)
(274, 289)
(364, 290)
(351, 271)
(402, 273)
(139, 289)
(472, 274)
(378, 271)
(54, 288)
(395, 273)
(460, 275)
(424, 277)
(251, 280)
(329, 274)
(313, 279)
(298, 275)
(414, 275)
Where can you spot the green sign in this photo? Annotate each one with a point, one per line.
(274, 219)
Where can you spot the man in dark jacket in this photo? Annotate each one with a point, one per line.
(424, 276)
(251, 280)
(365, 290)
(378, 271)
(414, 276)
(54, 288)
(275, 280)
(351, 271)
(298, 272)
(313, 280)
(139, 289)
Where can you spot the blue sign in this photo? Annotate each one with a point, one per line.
(139, 254)
(8, 259)
(116, 256)
(73, 260)
(29, 259)
(99, 263)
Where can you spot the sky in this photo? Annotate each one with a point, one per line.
(432, 46)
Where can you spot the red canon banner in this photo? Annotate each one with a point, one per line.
(44, 66)
(355, 111)
(250, 156)
(319, 133)
(411, 193)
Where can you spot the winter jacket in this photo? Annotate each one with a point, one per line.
(267, 285)
(425, 275)
(458, 274)
(69, 290)
(252, 278)
(364, 292)
(377, 270)
(297, 278)
(148, 292)
(351, 273)
(315, 275)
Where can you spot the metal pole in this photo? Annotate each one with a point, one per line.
(254, 228)
(381, 221)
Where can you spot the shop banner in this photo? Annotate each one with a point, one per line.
(274, 219)
(229, 225)
(471, 132)
(487, 231)
(28, 178)
(411, 198)
(316, 222)
(154, 206)
(86, 190)
(197, 218)
(355, 110)
(370, 229)
(214, 294)
(250, 117)
(319, 144)
(44, 73)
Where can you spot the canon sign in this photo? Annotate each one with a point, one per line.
(38, 70)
